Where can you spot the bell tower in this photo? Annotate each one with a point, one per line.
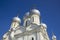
(35, 16)
(26, 19)
(15, 23)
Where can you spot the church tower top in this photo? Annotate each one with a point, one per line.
(44, 25)
(17, 19)
(27, 14)
(53, 37)
(35, 11)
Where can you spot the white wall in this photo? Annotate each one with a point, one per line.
(21, 38)
(36, 19)
(32, 36)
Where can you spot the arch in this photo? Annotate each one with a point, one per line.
(32, 38)
(26, 23)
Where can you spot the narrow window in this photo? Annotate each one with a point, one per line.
(32, 38)
(26, 23)
(32, 19)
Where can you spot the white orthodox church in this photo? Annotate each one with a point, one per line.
(32, 28)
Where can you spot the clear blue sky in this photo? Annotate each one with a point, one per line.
(50, 13)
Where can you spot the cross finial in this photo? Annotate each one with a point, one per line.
(18, 13)
(52, 33)
(34, 6)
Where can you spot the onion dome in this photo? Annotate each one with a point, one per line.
(5, 35)
(53, 36)
(44, 25)
(35, 11)
(27, 14)
(17, 19)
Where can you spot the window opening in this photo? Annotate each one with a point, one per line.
(32, 38)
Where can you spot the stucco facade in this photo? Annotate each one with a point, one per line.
(32, 28)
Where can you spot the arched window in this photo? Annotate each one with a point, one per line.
(32, 19)
(26, 23)
(32, 38)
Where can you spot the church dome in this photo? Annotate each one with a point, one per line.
(27, 14)
(35, 11)
(44, 25)
(17, 19)
(53, 36)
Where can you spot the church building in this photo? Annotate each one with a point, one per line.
(32, 28)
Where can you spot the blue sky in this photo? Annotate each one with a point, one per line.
(50, 13)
